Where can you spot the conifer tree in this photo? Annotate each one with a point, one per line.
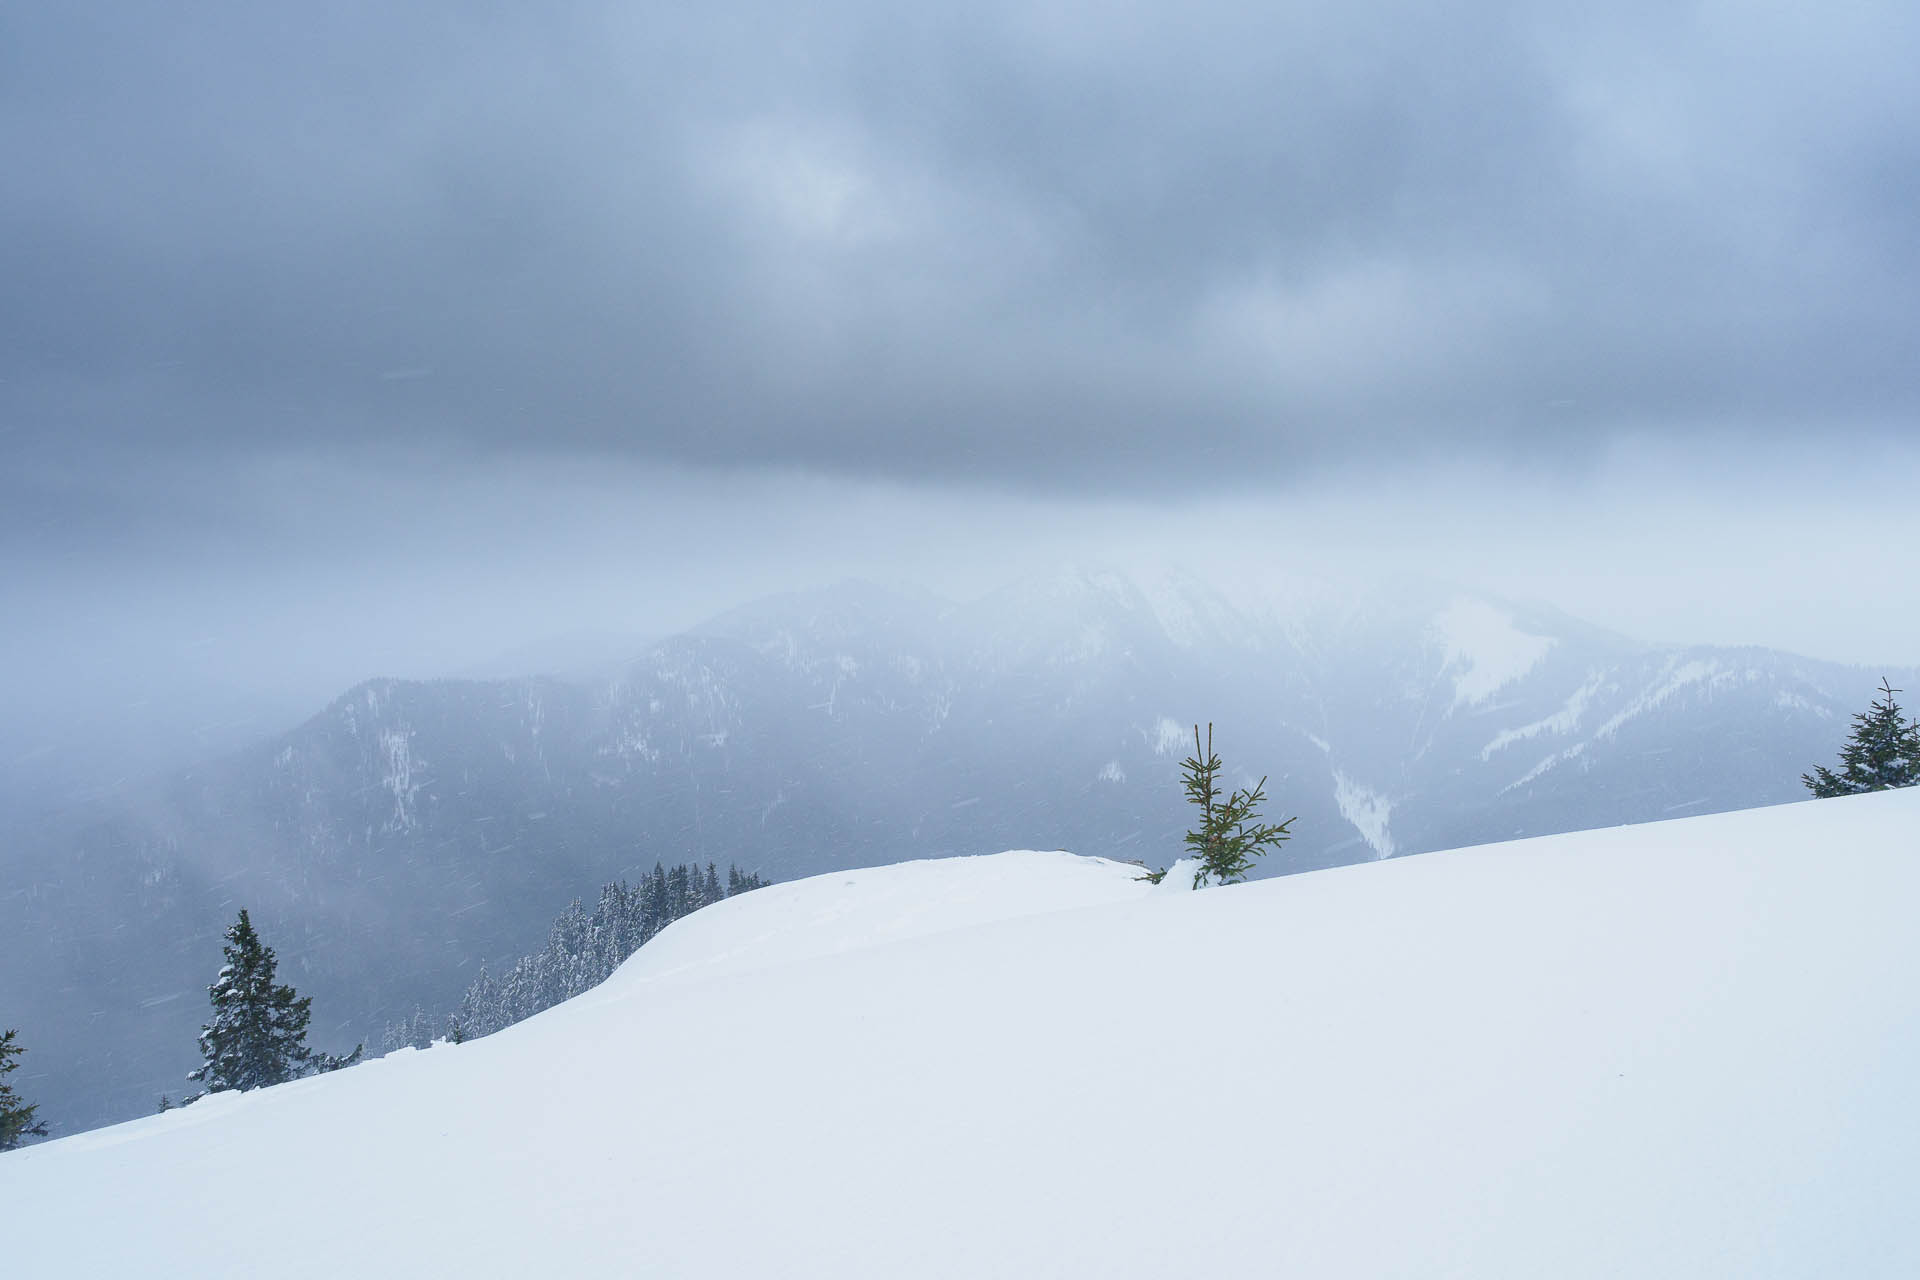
(584, 947)
(417, 1032)
(659, 909)
(1884, 752)
(16, 1115)
(1230, 835)
(258, 1034)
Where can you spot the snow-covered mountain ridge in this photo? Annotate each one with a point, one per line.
(414, 829)
(1685, 1048)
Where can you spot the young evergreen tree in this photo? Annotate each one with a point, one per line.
(258, 1033)
(1230, 835)
(1884, 752)
(16, 1116)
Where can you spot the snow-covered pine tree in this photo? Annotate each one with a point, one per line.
(258, 1033)
(479, 1011)
(566, 960)
(659, 909)
(680, 900)
(16, 1114)
(1230, 836)
(417, 1032)
(1884, 752)
(583, 947)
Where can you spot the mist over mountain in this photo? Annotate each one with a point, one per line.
(414, 829)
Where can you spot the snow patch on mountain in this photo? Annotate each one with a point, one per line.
(631, 742)
(1367, 810)
(1483, 650)
(1674, 677)
(782, 645)
(396, 747)
(1560, 723)
(1168, 737)
(1558, 758)
(1789, 701)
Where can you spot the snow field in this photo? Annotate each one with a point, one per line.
(1684, 1049)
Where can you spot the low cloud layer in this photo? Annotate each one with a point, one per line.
(368, 339)
(1078, 247)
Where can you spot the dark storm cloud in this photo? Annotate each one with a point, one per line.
(1084, 245)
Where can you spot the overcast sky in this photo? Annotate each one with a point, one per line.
(349, 338)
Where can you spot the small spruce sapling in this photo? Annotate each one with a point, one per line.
(1230, 835)
(1884, 752)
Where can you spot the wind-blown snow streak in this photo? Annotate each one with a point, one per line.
(1553, 761)
(1560, 723)
(1674, 677)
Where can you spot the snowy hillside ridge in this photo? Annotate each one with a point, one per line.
(1681, 1049)
(415, 830)
(850, 910)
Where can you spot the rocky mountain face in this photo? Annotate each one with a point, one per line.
(412, 830)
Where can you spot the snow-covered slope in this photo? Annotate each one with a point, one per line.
(415, 830)
(1684, 1049)
(803, 919)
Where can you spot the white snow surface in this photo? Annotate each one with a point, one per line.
(1684, 1049)
(859, 910)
